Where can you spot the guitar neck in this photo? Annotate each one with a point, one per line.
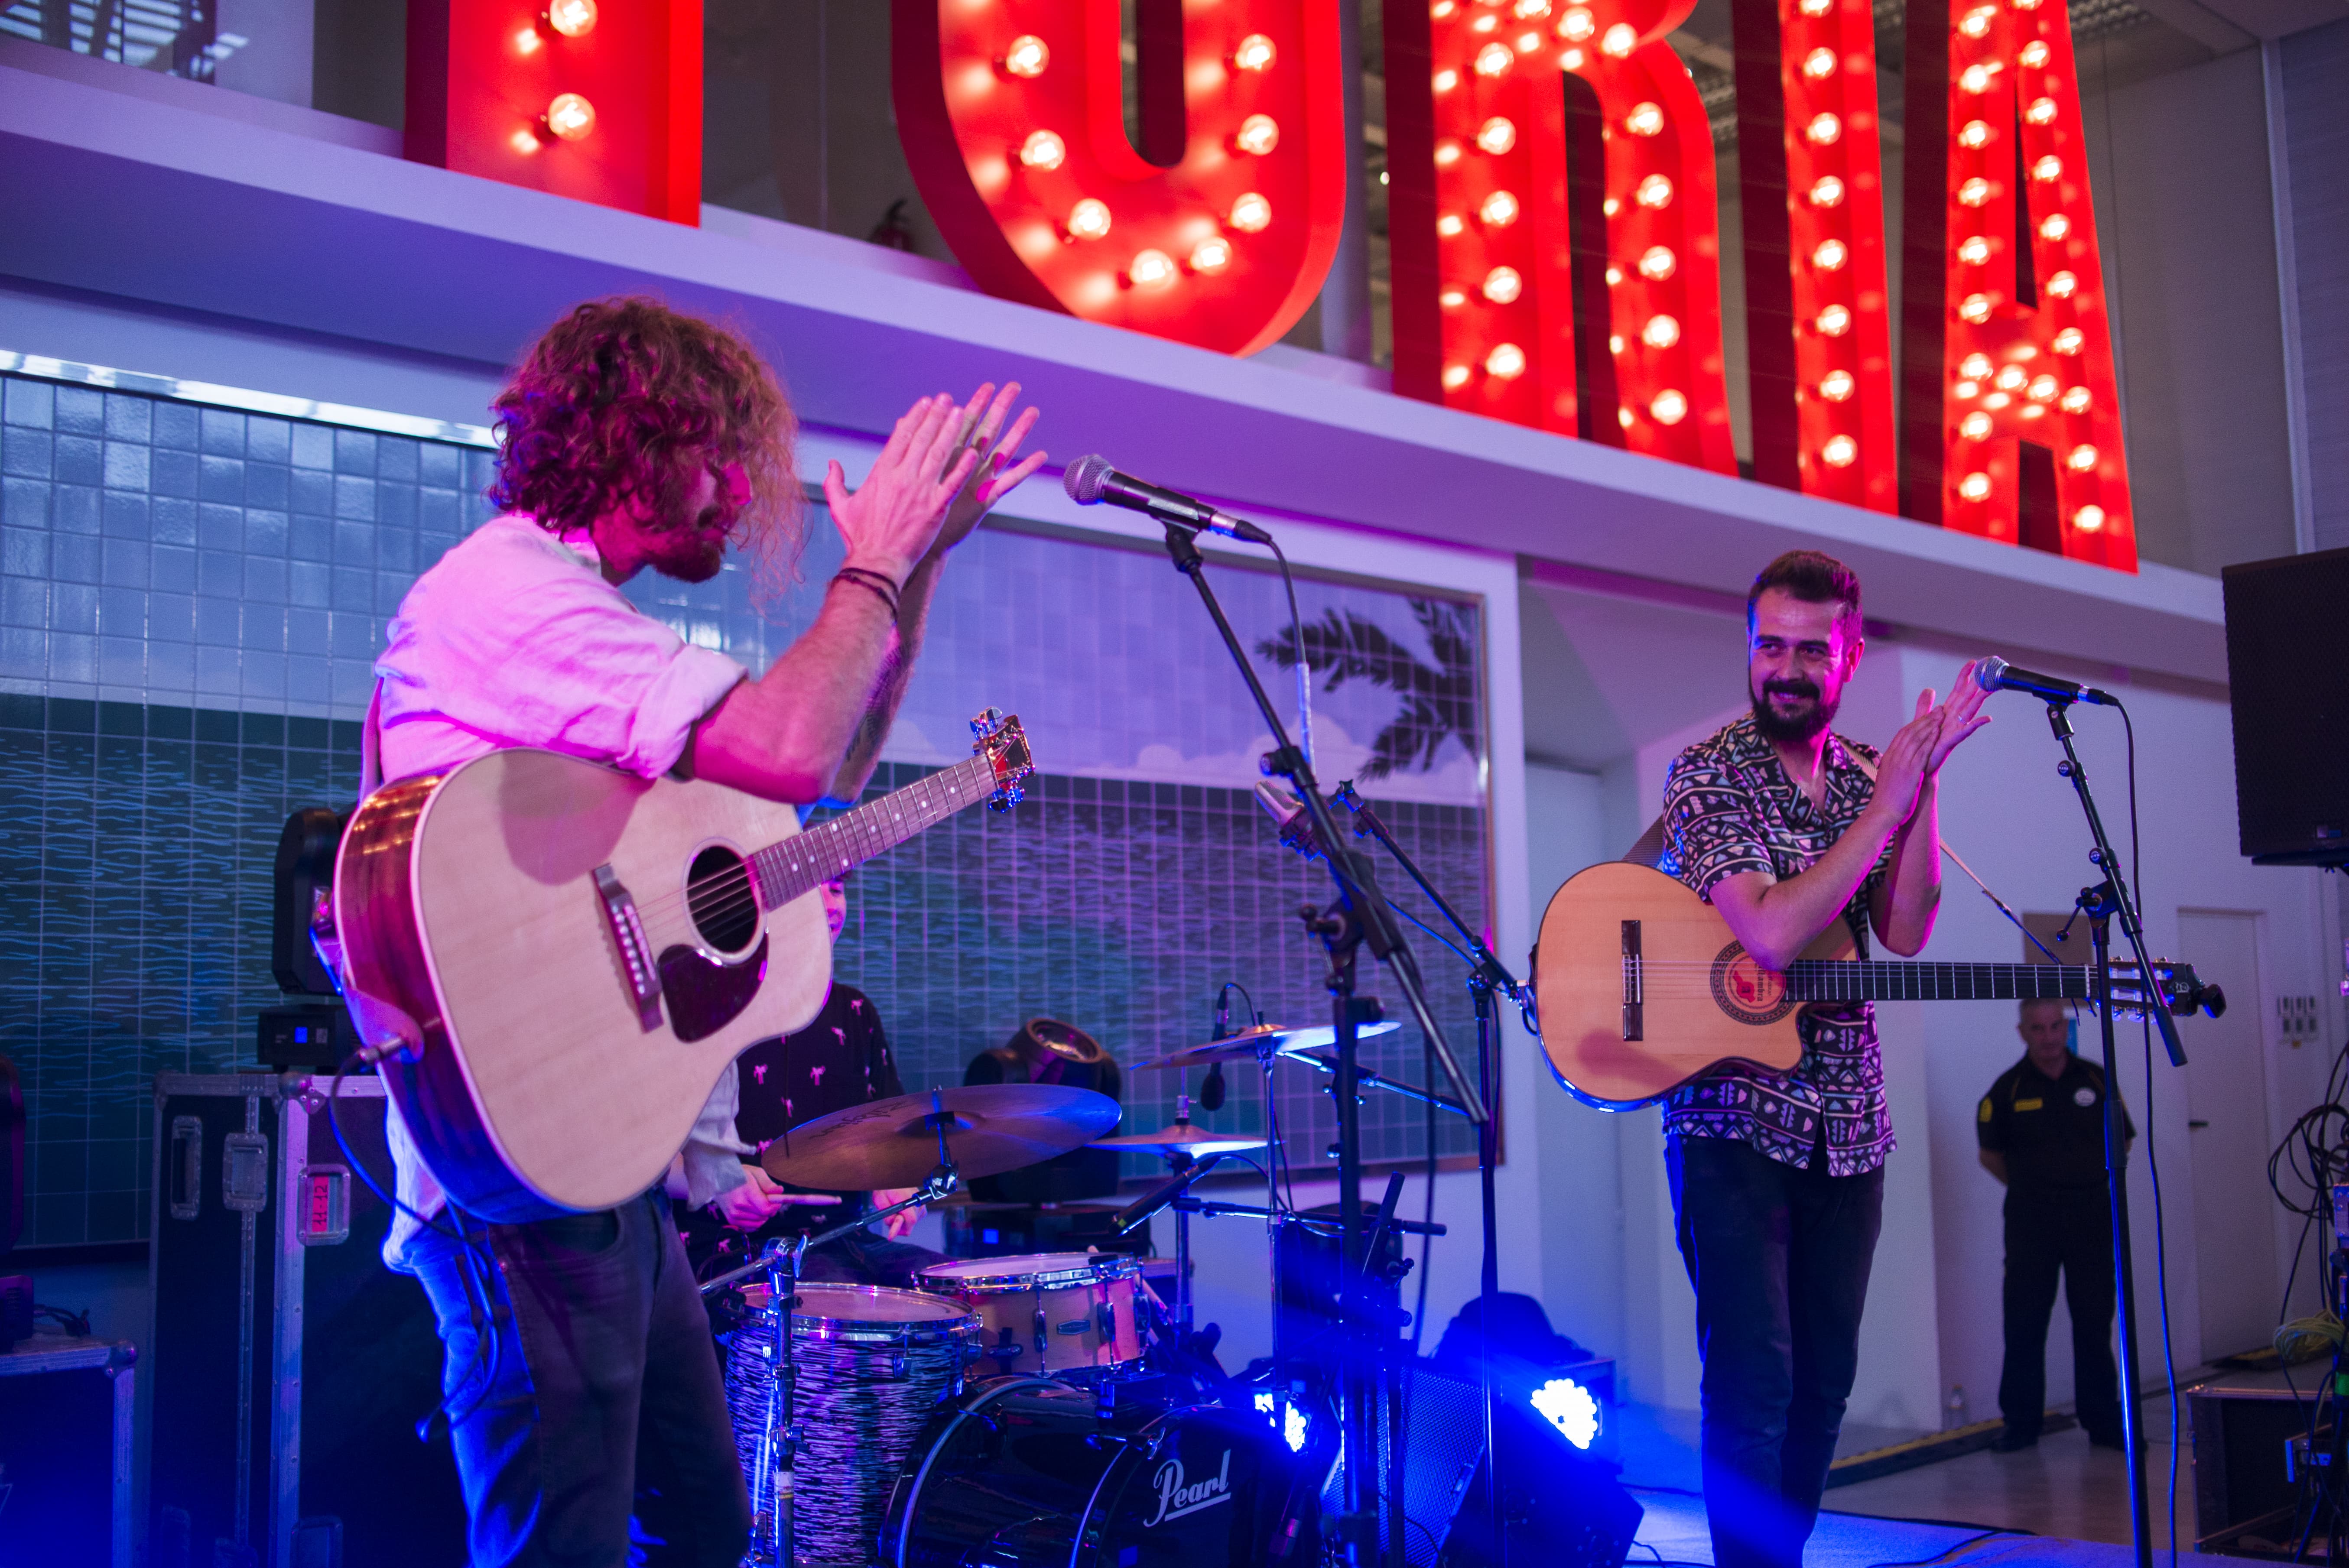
(807, 860)
(1846, 980)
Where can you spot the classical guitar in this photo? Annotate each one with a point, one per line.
(1640, 988)
(566, 956)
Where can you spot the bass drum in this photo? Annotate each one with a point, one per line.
(1028, 1470)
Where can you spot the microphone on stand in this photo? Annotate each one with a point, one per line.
(1995, 673)
(1090, 481)
(1287, 814)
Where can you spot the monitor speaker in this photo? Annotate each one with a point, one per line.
(2288, 670)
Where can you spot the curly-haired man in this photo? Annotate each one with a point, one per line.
(584, 1391)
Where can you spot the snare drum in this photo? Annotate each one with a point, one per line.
(1063, 1314)
(873, 1366)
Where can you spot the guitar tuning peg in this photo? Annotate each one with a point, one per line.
(989, 721)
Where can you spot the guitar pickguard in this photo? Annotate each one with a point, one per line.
(703, 994)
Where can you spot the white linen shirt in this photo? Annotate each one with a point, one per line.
(514, 638)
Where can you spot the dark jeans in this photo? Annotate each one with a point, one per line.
(603, 1399)
(2071, 1232)
(1779, 1257)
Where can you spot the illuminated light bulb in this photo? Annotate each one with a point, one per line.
(2063, 286)
(1669, 407)
(1645, 119)
(2034, 53)
(1615, 343)
(2048, 168)
(1655, 191)
(1569, 60)
(1974, 487)
(1027, 57)
(1493, 59)
(1088, 219)
(1614, 276)
(1610, 206)
(1042, 150)
(2055, 227)
(2032, 410)
(1976, 367)
(1975, 192)
(1657, 262)
(1528, 42)
(2081, 459)
(1482, 25)
(1834, 321)
(2089, 518)
(1619, 40)
(1530, 10)
(1453, 299)
(1975, 427)
(2043, 388)
(1831, 255)
(1661, 332)
(1455, 377)
(570, 117)
(1250, 213)
(1503, 285)
(2010, 378)
(1997, 401)
(526, 141)
(2071, 340)
(1974, 250)
(1838, 385)
(1974, 78)
(2040, 112)
(1817, 7)
(1840, 452)
(571, 18)
(1259, 135)
(1496, 136)
(2025, 4)
(1819, 63)
(1151, 269)
(527, 41)
(1976, 308)
(1254, 54)
(2077, 400)
(1826, 191)
(1211, 256)
(1966, 388)
(1449, 226)
(1505, 362)
(1623, 418)
(1442, 10)
(1446, 79)
(1975, 134)
(1577, 26)
(1825, 130)
(1447, 153)
(1975, 23)
(1500, 209)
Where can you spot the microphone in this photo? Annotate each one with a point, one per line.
(1090, 480)
(1995, 673)
(1287, 814)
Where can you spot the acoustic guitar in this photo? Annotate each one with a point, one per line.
(559, 958)
(1641, 986)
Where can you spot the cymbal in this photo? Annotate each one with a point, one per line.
(1250, 1043)
(1180, 1138)
(990, 1128)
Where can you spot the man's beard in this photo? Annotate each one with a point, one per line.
(696, 553)
(1805, 723)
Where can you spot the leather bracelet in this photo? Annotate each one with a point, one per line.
(888, 599)
(894, 586)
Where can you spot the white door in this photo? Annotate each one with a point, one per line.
(2227, 1104)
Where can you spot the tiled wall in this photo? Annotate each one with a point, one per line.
(190, 601)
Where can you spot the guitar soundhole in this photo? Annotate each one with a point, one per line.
(718, 891)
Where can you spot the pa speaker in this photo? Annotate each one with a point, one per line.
(2288, 671)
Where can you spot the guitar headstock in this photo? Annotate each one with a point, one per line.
(998, 737)
(2187, 993)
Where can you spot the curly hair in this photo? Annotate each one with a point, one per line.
(628, 400)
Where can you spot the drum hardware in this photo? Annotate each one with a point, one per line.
(1070, 1315)
(1259, 1042)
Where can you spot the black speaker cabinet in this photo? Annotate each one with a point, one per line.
(289, 1366)
(2288, 671)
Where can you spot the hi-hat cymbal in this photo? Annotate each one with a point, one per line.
(1180, 1138)
(989, 1128)
(1251, 1043)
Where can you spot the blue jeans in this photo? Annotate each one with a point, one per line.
(1779, 1256)
(585, 1394)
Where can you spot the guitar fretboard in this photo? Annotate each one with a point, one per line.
(807, 860)
(1847, 980)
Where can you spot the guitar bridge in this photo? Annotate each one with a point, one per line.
(1634, 984)
(639, 975)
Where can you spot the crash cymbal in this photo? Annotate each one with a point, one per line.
(1251, 1043)
(1180, 1138)
(989, 1128)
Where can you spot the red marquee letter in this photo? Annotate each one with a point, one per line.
(1013, 115)
(600, 103)
(1478, 146)
(2009, 355)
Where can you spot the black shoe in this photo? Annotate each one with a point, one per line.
(2010, 1441)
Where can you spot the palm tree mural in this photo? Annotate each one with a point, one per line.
(1438, 701)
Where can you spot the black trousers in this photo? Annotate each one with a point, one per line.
(2071, 1232)
(594, 1419)
(1779, 1257)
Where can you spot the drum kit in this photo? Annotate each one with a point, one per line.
(1018, 1409)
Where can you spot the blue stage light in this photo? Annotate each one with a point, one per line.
(1571, 1408)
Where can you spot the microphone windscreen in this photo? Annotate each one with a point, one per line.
(1086, 477)
(1988, 673)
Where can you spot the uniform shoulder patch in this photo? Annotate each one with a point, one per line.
(1983, 1114)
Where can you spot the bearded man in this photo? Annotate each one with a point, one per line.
(1786, 826)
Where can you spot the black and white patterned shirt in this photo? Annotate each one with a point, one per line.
(1730, 808)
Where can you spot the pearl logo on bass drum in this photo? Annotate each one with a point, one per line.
(1175, 1500)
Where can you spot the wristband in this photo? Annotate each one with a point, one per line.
(888, 599)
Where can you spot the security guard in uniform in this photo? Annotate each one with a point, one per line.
(2041, 1132)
